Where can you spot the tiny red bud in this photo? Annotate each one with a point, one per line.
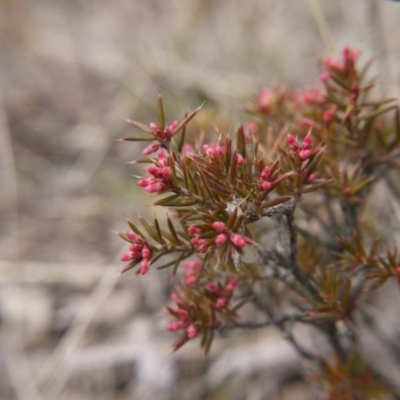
(191, 331)
(220, 239)
(219, 226)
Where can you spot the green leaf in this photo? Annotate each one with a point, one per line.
(188, 118)
(160, 113)
(134, 228)
(275, 201)
(173, 231)
(139, 125)
(152, 233)
(137, 139)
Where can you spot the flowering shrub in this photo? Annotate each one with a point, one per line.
(336, 143)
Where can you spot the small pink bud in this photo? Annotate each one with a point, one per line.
(324, 76)
(166, 173)
(212, 287)
(304, 154)
(175, 326)
(397, 271)
(126, 256)
(265, 173)
(193, 230)
(135, 247)
(161, 156)
(192, 265)
(239, 159)
(133, 236)
(175, 297)
(173, 125)
(264, 99)
(153, 170)
(219, 226)
(238, 240)
(144, 267)
(307, 143)
(190, 280)
(151, 149)
(143, 182)
(191, 331)
(156, 187)
(266, 185)
(220, 303)
(232, 284)
(182, 313)
(292, 142)
(145, 253)
(220, 239)
(310, 178)
(153, 126)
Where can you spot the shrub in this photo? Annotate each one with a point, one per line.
(308, 160)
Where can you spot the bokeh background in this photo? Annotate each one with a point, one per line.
(70, 72)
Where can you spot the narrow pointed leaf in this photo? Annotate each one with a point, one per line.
(142, 127)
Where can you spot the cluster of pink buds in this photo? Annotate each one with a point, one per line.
(223, 294)
(191, 270)
(218, 150)
(224, 234)
(311, 96)
(332, 65)
(303, 150)
(160, 180)
(184, 322)
(161, 134)
(265, 182)
(138, 251)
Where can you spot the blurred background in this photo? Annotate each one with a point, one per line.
(70, 72)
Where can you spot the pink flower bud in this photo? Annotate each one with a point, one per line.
(239, 159)
(190, 280)
(191, 331)
(144, 267)
(219, 226)
(238, 240)
(220, 239)
(153, 170)
(220, 303)
(175, 326)
(126, 256)
(161, 156)
(182, 313)
(133, 236)
(166, 173)
(151, 149)
(212, 287)
(173, 125)
(292, 142)
(265, 173)
(324, 76)
(231, 285)
(145, 253)
(153, 126)
(397, 271)
(307, 143)
(143, 182)
(266, 185)
(193, 230)
(156, 187)
(264, 99)
(175, 297)
(304, 154)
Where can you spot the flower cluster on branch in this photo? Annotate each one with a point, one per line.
(307, 157)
